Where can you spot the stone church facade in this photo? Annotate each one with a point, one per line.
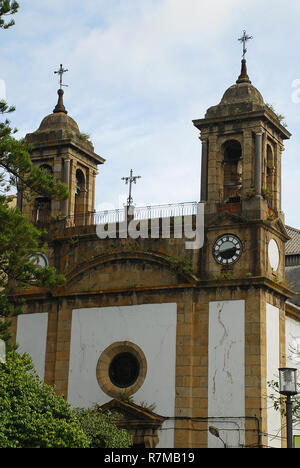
(144, 320)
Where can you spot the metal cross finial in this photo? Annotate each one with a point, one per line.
(244, 39)
(60, 72)
(129, 180)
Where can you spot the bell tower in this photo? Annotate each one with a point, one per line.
(243, 258)
(60, 148)
(242, 143)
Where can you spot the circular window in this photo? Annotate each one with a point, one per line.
(124, 369)
(121, 367)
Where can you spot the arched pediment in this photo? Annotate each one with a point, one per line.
(127, 270)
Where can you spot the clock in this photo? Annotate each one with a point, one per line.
(39, 259)
(227, 249)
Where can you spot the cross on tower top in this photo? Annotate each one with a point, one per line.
(129, 180)
(244, 40)
(60, 72)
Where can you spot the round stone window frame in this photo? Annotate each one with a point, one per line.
(105, 360)
(273, 254)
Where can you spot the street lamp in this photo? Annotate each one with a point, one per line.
(288, 387)
(215, 432)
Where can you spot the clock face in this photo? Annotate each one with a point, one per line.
(39, 260)
(227, 249)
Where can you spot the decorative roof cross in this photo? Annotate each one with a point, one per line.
(60, 72)
(244, 40)
(129, 180)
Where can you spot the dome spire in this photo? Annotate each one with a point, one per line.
(244, 76)
(60, 104)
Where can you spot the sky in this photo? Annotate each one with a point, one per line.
(140, 71)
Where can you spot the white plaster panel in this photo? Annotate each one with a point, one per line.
(152, 327)
(226, 371)
(32, 338)
(273, 360)
(292, 337)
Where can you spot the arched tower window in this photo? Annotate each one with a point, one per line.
(42, 210)
(232, 151)
(47, 168)
(80, 197)
(270, 174)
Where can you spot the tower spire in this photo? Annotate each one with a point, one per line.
(244, 76)
(60, 104)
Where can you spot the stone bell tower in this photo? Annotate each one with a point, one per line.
(242, 143)
(243, 259)
(60, 148)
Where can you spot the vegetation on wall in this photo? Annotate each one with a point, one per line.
(280, 117)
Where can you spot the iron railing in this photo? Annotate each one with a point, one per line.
(137, 213)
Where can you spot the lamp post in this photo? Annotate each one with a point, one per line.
(215, 432)
(288, 388)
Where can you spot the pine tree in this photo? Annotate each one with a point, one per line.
(19, 239)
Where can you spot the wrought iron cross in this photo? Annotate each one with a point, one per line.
(60, 72)
(131, 179)
(244, 40)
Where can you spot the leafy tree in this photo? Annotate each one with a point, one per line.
(279, 400)
(19, 239)
(7, 8)
(101, 428)
(31, 414)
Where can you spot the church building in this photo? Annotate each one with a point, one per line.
(181, 338)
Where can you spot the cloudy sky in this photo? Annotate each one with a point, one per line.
(140, 71)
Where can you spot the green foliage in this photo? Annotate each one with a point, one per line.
(251, 192)
(19, 239)
(279, 400)
(31, 414)
(181, 265)
(227, 275)
(84, 136)
(266, 193)
(7, 8)
(147, 406)
(126, 397)
(101, 428)
(280, 117)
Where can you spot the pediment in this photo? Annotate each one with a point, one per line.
(124, 270)
(140, 422)
(280, 226)
(133, 413)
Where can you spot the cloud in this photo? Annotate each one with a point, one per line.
(140, 71)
